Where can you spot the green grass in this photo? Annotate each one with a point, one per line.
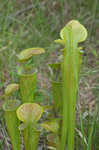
(39, 27)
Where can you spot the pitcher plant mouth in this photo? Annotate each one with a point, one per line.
(11, 88)
(11, 105)
(27, 54)
(26, 72)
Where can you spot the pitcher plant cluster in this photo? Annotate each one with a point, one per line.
(24, 117)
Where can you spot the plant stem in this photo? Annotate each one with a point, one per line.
(31, 137)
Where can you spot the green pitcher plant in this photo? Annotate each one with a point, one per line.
(29, 114)
(27, 75)
(9, 91)
(12, 122)
(53, 127)
(11, 88)
(71, 35)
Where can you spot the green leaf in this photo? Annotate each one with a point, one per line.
(51, 138)
(62, 42)
(52, 126)
(94, 52)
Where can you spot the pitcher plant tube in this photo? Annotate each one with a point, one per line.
(71, 35)
(12, 122)
(56, 81)
(27, 84)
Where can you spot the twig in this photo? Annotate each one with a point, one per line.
(10, 17)
(21, 11)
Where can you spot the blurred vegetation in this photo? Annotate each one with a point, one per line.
(30, 23)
